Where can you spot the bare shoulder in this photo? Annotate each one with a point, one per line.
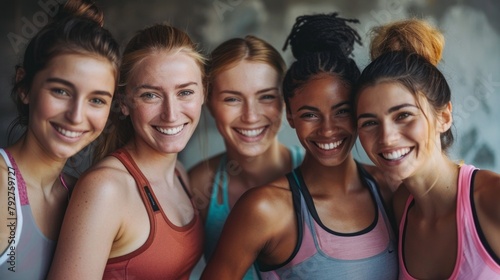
(205, 170)
(107, 179)
(268, 202)
(201, 178)
(487, 193)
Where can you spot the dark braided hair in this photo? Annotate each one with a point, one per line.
(322, 44)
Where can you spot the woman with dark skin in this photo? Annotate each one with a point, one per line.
(327, 218)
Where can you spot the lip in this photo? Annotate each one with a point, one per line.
(251, 134)
(171, 131)
(67, 134)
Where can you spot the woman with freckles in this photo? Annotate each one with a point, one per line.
(326, 219)
(131, 215)
(245, 100)
(63, 91)
(448, 213)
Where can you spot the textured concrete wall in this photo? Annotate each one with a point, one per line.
(471, 60)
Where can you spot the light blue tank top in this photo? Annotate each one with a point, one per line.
(30, 253)
(324, 254)
(218, 213)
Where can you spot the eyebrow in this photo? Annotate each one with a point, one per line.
(72, 86)
(391, 110)
(311, 108)
(158, 88)
(258, 92)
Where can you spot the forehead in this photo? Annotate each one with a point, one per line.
(247, 75)
(79, 69)
(385, 94)
(165, 68)
(324, 89)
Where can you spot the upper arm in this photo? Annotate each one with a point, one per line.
(91, 223)
(487, 203)
(252, 224)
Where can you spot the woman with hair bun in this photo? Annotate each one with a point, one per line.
(448, 213)
(413, 35)
(327, 218)
(63, 90)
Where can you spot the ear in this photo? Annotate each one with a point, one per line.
(445, 118)
(124, 106)
(21, 91)
(289, 118)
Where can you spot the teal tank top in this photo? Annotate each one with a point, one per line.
(218, 213)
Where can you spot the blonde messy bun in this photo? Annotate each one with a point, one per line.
(411, 35)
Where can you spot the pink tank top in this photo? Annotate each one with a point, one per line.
(473, 260)
(170, 252)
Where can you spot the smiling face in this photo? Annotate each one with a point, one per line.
(247, 107)
(320, 112)
(394, 130)
(69, 103)
(164, 97)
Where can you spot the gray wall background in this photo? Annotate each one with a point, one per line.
(471, 59)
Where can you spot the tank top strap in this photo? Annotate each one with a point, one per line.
(377, 196)
(16, 175)
(142, 183)
(298, 207)
(220, 182)
(464, 187)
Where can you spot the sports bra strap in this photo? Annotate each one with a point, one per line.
(142, 183)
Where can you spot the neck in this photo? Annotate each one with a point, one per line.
(343, 177)
(153, 164)
(434, 187)
(39, 169)
(260, 169)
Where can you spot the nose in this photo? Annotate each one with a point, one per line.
(251, 112)
(169, 109)
(388, 134)
(327, 128)
(76, 111)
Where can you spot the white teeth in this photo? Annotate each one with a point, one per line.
(68, 133)
(329, 146)
(250, 132)
(170, 131)
(396, 154)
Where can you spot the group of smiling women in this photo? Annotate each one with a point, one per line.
(259, 210)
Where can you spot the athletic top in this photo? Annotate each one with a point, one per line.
(322, 253)
(475, 259)
(218, 213)
(30, 253)
(170, 252)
